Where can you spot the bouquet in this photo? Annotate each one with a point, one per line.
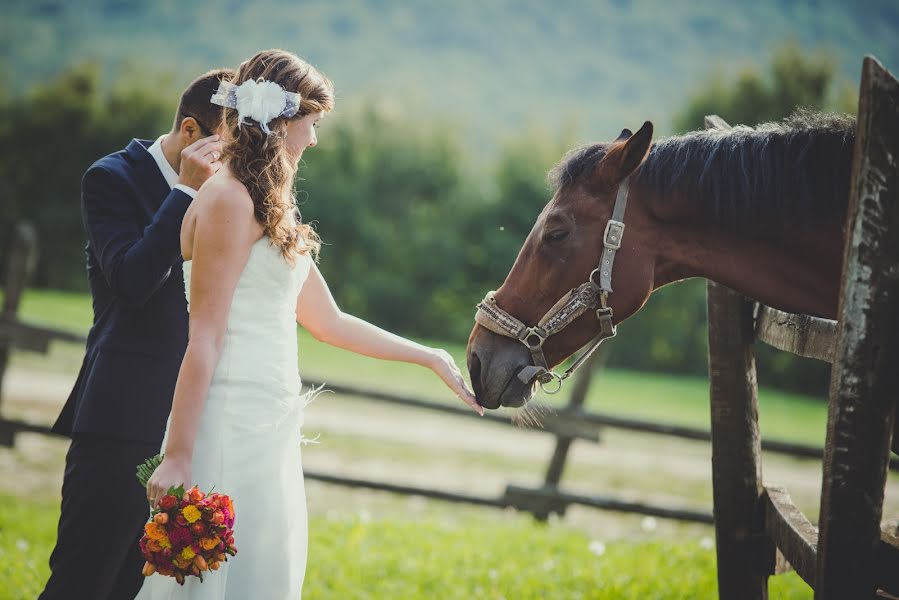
(189, 532)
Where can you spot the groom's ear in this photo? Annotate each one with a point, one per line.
(190, 131)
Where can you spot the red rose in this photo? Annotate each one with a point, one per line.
(198, 528)
(180, 520)
(168, 502)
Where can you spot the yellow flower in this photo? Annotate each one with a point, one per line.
(188, 553)
(164, 541)
(191, 513)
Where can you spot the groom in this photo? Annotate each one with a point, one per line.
(132, 203)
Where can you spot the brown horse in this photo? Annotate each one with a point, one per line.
(759, 210)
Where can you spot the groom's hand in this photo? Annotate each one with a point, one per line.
(200, 161)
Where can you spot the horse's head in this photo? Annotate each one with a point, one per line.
(560, 253)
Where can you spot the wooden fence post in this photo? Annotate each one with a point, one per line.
(865, 380)
(736, 448)
(20, 262)
(563, 442)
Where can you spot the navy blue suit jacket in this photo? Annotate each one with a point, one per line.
(135, 346)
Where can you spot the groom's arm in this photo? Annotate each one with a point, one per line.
(135, 260)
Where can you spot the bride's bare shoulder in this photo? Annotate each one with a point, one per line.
(222, 210)
(223, 192)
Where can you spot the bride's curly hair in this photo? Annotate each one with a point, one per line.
(262, 162)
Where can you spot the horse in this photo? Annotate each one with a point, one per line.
(761, 210)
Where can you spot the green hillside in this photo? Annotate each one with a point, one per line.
(490, 67)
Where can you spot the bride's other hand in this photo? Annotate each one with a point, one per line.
(171, 472)
(445, 367)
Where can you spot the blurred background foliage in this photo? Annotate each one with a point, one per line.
(416, 227)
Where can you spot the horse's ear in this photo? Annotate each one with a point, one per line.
(635, 149)
(626, 155)
(625, 133)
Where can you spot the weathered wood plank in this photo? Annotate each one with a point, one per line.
(865, 381)
(792, 533)
(804, 335)
(888, 558)
(736, 447)
(34, 338)
(559, 458)
(20, 262)
(531, 499)
(565, 422)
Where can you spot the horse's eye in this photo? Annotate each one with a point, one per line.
(555, 236)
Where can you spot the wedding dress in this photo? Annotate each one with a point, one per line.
(248, 440)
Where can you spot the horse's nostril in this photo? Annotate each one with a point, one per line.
(474, 370)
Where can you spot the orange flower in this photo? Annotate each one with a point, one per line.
(195, 495)
(200, 562)
(154, 531)
(161, 518)
(209, 543)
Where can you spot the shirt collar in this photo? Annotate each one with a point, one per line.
(155, 150)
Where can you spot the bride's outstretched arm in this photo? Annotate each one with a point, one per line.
(319, 314)
(224, 234)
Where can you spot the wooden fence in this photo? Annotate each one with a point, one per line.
(758, 528)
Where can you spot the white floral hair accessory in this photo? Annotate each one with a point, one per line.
(257, 99)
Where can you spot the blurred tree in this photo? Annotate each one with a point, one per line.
(795, 78)
(48, 138)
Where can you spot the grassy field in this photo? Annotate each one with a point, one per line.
(672, 399)
(484, 557)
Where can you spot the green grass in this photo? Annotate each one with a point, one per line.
(679, 400)
(489, 556)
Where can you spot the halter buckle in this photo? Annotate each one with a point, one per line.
(611, 238)
(607, 328)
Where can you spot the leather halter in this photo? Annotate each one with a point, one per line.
(589, 295)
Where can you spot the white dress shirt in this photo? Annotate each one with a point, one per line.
(168, 172)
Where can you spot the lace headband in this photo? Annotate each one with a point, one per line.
(259, 100)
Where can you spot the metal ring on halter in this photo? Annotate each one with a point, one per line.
(558, 378)
(530, 332)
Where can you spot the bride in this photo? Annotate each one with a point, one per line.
(250, 276)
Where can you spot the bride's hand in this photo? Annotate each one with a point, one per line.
(445, 367)
(171, 472)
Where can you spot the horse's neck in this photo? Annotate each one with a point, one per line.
(793, 267)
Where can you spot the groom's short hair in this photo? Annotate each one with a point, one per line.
(195, 101)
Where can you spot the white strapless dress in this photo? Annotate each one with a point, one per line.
(248, 441)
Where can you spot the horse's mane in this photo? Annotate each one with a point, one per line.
(798, 167)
